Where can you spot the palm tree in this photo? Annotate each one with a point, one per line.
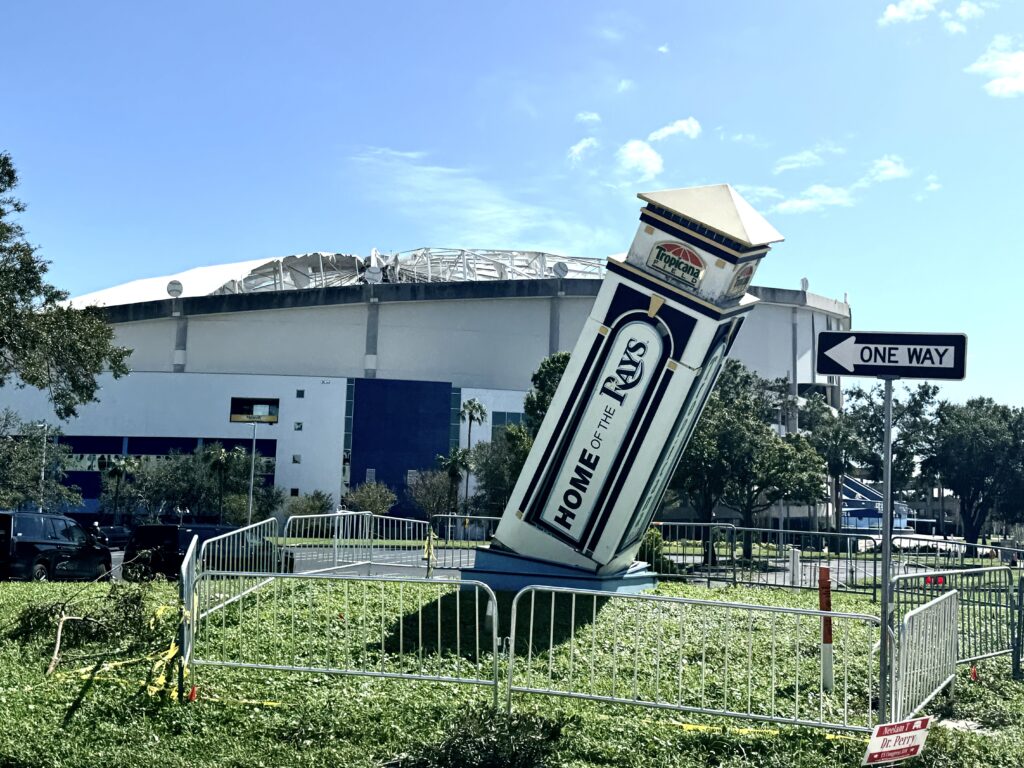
(472, 411)
(120, 469)
(453, 465)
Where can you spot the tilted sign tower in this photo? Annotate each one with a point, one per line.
(643, 367)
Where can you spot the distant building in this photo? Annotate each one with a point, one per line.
(370, 359)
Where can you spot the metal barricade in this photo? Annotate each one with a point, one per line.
(244, 560)
(985, 601)
(934, 553)
(787, 558)
(420, 629)
(689, 551)
(722, 659)
(186, 628)
(458, 537)
(328, 542)
(926, 655)
(398, 544)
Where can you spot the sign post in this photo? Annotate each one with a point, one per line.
(890, 356)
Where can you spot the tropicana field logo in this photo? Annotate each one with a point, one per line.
(677, 261)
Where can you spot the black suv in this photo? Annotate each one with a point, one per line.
(44, 547)
(154, 549)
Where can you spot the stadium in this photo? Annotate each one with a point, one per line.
(366, 360)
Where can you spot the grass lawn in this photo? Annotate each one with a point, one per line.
(88, 714)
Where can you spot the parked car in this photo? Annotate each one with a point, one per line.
(46, 547)
(114, 536)
(159, 549)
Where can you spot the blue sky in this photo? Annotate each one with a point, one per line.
(883, 140)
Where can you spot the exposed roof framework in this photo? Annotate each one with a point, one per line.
(423, 265)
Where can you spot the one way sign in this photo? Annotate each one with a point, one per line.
(899, 355)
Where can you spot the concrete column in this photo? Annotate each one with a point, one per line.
(372, 327)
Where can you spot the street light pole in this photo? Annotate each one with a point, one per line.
(42, 470)
(252, 470)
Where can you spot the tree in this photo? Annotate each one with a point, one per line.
(429, 491)
(453, 465)
(544, 383)
(498, 464)
(206, 487)
(373, 497)
(229, 470)
(976, 450)
(30, 457)
(724, 455)
(913, 422)
(44, 343)
(835, 437)
(315, 503)
(120, 470)
(766, 468)
(472, 411)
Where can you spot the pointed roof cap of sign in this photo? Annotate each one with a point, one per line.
(718, 207)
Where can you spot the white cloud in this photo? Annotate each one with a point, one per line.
(588, 117)
(931, 185)
(885, 168)
(639, 157)
(906, 11)
(815, 198)
(954, 27)
(743, 138)
(577, 150)
(663, 48)
(968, 10)
(687, 126)
(1003, 64)
(610, 34)
(755, 194)
(455, 207)
(809, 158)
(624, 85)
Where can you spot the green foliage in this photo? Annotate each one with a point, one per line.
(22, 461)
(913, 421)
(129, 618)
(483, 737)
(734, 454)
(652, 551)
(497, 464)
(44, 343)
(106, 716)
(315, 503)
(212, 483)
(544, 383)
(454, 465)
(977, 450)
(430, 492)
(371, 497)
(834, 435)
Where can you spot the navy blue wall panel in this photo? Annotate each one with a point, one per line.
(398, 426)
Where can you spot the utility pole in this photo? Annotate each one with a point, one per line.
(42, 469)
(252, 470)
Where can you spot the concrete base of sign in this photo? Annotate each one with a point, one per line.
(509, 572)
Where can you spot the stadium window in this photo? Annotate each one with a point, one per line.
(298, 426)
(295, 491)
(300, 393)
(296, 458)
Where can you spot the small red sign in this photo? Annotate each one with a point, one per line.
(896, 741)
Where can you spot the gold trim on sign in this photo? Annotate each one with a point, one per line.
(656, 303)
(603, 330)
(671, 365)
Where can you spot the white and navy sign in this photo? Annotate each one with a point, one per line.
(897, 355)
